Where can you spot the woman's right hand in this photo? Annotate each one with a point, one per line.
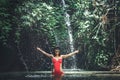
(38, 48)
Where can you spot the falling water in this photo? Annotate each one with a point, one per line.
(21, 58)
(67, 21)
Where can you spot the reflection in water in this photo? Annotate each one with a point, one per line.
(48, 76)
(57, 77)
(51, 77)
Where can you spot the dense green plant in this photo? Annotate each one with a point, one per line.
(5, 25)
(89, 20)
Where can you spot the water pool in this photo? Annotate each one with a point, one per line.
(73, 75)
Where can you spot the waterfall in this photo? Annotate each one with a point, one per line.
(21, 58)
(67, 21)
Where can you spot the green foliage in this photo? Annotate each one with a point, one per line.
(92, 31)
(5, 25)
(101, 59)
(36, 14)
(40, 17)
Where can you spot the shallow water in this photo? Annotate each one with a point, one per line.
(85, 75)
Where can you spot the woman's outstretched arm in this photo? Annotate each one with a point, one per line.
(45, 53)
(70, 54)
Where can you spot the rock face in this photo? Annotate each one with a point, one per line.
(116, 68)
(116, 61)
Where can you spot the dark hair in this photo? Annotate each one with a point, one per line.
(56, 48)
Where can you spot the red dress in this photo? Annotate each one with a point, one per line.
(57, 65)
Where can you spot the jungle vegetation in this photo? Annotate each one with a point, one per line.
(25, 24)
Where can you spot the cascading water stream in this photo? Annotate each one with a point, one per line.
(67, 21)
(21, 58)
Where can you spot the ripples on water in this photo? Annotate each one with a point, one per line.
(44, 76)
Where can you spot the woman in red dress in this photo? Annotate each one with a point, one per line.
(57, 60)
